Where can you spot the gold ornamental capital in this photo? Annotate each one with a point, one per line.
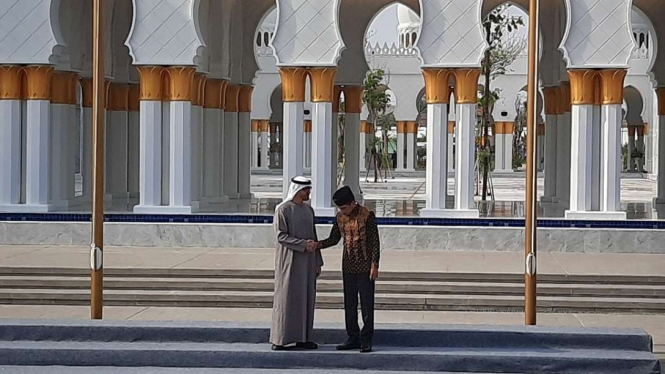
(582, 84)
(181, 80)
(466, 85)
(612, 81)
(134, 100)
(451, 127)
(565, 98)
(118, 97)
(353, 99)
(307, 126)
(38, 82)
(411, 127)
(293, 84)
(213, 94)
(552, 104)
(437, 85)
(231, 98)
(197, 89)
(401, 127)
(660, 91)
(10, 82)
(151, 83)
(264, 125)
(255, 125)
(323, 85)
(245, 99)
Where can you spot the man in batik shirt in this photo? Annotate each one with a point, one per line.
(356, 225)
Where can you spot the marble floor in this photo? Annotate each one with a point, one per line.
(404, 196)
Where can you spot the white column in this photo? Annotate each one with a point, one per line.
(499, 149)
(596, 140)
(292, 148)
(322, 159)
(550, 157)
(540, 151)
(150, 157)
(611, 162)
(352, 153)
(180, 161)
(563, 159)
(411, 139)
(57, 157)
(449, 151)
(660, 197)
(334, 139)
(401, 143)
(37, 156)
(436, 179)
(265, 148)
(197, 155)
(244, 154)
(10, 153)
(582, 154)
(116, 151)
(362, 157)
(254, 150)
(639, 144)
(133, 153)
(464, 161)
(212, 138)
(307, 151)
(230, 137)
(631, 148)
(72, 143)
(86, 157)
(166, 153)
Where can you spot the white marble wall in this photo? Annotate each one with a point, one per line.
(397, 237)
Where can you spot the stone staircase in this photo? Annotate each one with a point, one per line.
(396, 290)
(36, 346)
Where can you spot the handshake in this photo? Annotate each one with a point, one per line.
(312, 246)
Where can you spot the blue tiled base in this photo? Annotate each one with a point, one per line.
(384, 221)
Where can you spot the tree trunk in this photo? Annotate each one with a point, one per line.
(486, 115)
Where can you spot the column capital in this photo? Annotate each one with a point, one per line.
(582, 84)
(59, 87)
(264, 125)
(541, 130)
(307, 126)
(451, 127)
(231, 98)
(612, 81)
(197, 89)
(631, 130)
(363, 127)
(401, 127)
(412, 127)
(466, 86)
(552, 105)
(504, 128)
(255, 125)
(293, 84)
(337, 96)
(437, 85)
(72, 97)
(660, 91)
(10, 82)
(86, 88)
(180, 82)
(118, 97)
(353, 99)
(323, 84)
(212, 99)
(565, 99)
(38, 82)
(151, 83)
(134, 99)
(245, 99)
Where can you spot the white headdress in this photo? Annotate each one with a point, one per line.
(297, 184)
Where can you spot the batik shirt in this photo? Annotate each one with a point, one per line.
(361, 240)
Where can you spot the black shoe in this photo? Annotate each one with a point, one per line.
(307, 345)
(276, 347)
(348, 345)
(366, 347)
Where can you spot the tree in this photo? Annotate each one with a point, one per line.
(376, 99)
(499, 55)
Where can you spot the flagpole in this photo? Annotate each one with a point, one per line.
(531, 222)
(97, 246)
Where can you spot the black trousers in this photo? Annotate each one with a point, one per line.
(355, 284)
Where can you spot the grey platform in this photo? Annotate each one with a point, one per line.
(422, 348)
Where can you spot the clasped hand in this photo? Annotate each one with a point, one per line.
(312, 246)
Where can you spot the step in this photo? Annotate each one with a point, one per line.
(243, 355)
(336, 275)
(412, 335)
(387, 287)
(330, 300)
(157, 370)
